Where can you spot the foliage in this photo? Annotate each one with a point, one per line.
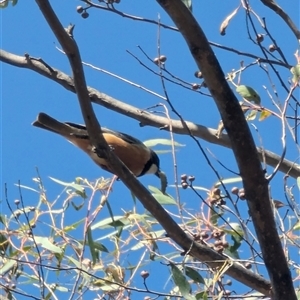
(4, 3)
(62, 247)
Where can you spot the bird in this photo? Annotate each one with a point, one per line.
(138, 158)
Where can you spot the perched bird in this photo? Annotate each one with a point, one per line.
(138, 158)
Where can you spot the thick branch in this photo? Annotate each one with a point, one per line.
(205, 133)
(276, 8)
(255, 184)
(70, 47)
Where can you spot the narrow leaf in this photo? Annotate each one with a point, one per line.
(188, 4)
(193, 274)
(252, 115)
(296, 226)
(27, 187)
(202, 296)
(154, 142)
(264, 114)
(296, 73)
(61, 288)
(181, 282)
(73, 226)
(214, 216)
(248, 93)
(45, 243)
(77, 263)
(236, 230)
(8, 265)
(77, 187)
(108, 222)
(228, 180)
(3, 3)
(225, 23)
(164, 199)
(90, 242)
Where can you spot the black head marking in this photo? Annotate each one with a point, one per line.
(153, 160)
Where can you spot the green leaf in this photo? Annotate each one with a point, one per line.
(27, 187)
(61, 288)
(214, 216)
(166, 142)
(228, 180)
(202, 296)
(298, 182)
(2, 219)
(298, 294)
(188, 4)
(3, 243)
(77, 264)
(237, 235)
(108, 222)
(200, 188)
(248, 93)
(161, 198)
(164, 199)
(181, 282)
(235, 231)
(9, 264)
(296, 73)
(45, 243)
(232, 249)
(193, 274)
(264, 114)
(142, 218)
(141, 244)
(112, 214)
(154, 189)
(251, 116)
(77, 187)
(3, 3)
(296, 226)
(90, 242)
(73, 226)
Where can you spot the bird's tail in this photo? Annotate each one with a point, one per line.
(46, 122)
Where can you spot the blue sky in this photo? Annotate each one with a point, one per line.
(103, 39)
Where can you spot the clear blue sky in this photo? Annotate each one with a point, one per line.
(103, 39)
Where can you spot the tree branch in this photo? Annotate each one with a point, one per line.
(276, 8)
(145, 118)
(203, 253)
(229, 49)
(254, 181)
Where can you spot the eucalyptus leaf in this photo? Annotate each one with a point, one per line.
(165, 142)
(164, 199)
(77, 187)
(248, 93)
(188, 4)
(45, 243)
(181, 282)
(296, 73)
